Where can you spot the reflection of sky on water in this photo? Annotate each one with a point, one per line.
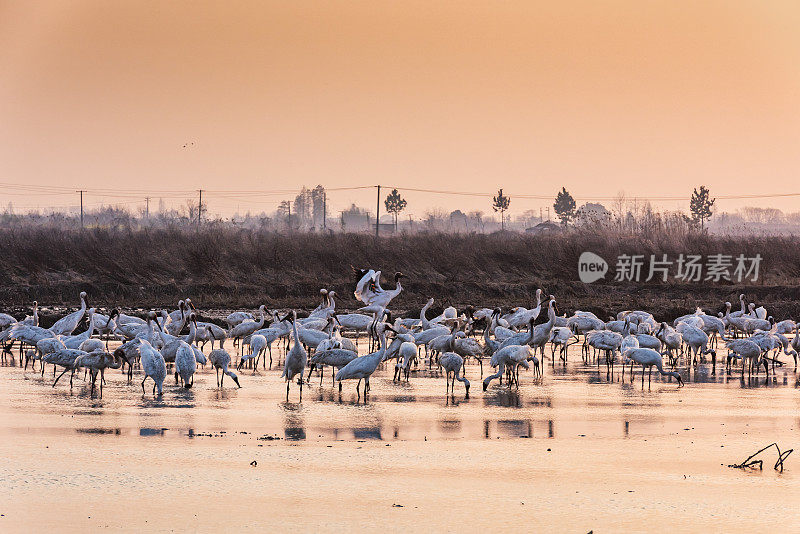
(571, 401)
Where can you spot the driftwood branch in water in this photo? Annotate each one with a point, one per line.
(750, 463)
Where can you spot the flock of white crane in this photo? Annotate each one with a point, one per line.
(508, 341)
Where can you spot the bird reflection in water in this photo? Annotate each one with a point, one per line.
(450, 426)
(515, 428)
(504, 397)
(367, 433)
(293, 422)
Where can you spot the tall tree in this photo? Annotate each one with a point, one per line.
(395, 204)
(700, 205)
(284, 212)
(318, 206)
(302, 206)
(564, 206)
(500, 203)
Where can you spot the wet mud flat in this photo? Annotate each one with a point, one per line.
(572, 452)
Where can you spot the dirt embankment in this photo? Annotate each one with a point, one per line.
(222, 267)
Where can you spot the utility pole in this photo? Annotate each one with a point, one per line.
(81, 191)
(378, 212)
(324, 210)
(147, 207)
(548, 213)
(200, 207)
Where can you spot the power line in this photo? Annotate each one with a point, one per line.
(265, 199)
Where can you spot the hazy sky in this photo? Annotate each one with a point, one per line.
(649, 97)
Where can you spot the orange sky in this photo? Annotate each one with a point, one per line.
(652, 98)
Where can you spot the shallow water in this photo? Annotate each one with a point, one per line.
(571, 452)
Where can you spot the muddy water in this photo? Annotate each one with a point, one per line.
(572, 452)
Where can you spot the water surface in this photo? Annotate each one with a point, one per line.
(571, 452)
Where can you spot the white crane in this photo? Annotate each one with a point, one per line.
(752, 324)
(468, 347)
(28, 334)
(523, 315)
(238, 317)
(32, 319)
(741, 312)
(536, 336)
(97, 363)
(129, 354)
(697, 340)
(335, 358)
(671, 339)
(606, 341)
(785, 327)
(406, 353)
(65, 358)
(209, 332)
(747, 350)
(153, 364)
(221, 360)
(369, 290)
(510, 357)
(185, 359)
(245, 329)
(448, 315)
(278, 330)
(796, 343)
(183, 307)
(74, 342)
(560, 337)
(6, 320)
(426, 324)
(629, 341)
(326, 309)
(296, 359)
(258, 346)
(582, 323)
(355, 322)
(648, 358)
(490, 346)
(362, 368)
(424, 337)
(68, 323)
(453, 363)
(175, 327)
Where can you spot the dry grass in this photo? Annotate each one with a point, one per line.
(223, 267)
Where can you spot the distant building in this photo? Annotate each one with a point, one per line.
(546, 227)
(385, 228)
(355, 219)
(592, 212)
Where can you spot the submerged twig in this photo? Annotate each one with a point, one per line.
(750, 463)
